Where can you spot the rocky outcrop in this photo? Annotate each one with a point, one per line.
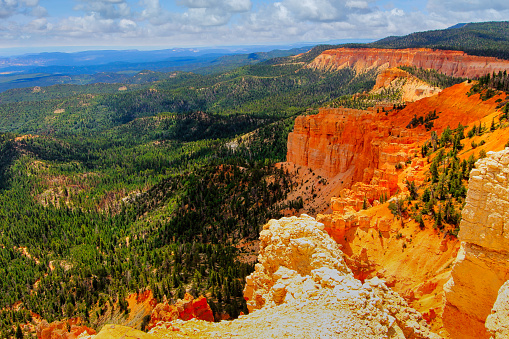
(411, 88)
(365, 146)
(301, 271)
(301, 288)
(338, 140)
(184, 309)
(69, 329)
(497, 322)
(481, 266)
(453, 63)
(118, 331)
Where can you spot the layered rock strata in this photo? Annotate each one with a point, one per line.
(453, 63)
(481, 265)
(338, 140)
(302, 269)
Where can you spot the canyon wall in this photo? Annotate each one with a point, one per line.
(453, 63)
(339, 140)
(481, 266)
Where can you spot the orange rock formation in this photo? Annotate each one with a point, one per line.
(69, 329)
(185, 309)
(454, 63)
(411, 87)
(338, 140)
(368, 145)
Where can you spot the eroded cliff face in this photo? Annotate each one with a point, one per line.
(367, 145)
(454, 63)
(67, 329)
(341, 140)
(481, 265)
(411, 87)
(184, 309)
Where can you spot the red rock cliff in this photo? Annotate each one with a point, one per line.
(340, 140)
(454, 63)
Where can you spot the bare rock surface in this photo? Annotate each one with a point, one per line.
(454, 63)
(302, 288)
(497, 322)
(481, 266)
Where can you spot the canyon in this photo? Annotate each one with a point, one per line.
(375, 244)
(359, 142)
(354, 265)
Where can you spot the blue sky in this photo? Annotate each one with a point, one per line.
(196, 23)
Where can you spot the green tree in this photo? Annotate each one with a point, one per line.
(19, 333)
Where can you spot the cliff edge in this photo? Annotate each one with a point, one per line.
(302, 288)
(453, 63)
(303, 285)
(481, 265)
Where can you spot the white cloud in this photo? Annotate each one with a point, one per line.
(108, 9)
(441, 6)
(127, 25)
(235, 6)
(315, 10)
(9, 8)
(357, 4)
(219, 22)
(211, 12)
(40, 24)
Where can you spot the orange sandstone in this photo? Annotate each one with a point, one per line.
(68, 329)
(454, 63)
(185, 309)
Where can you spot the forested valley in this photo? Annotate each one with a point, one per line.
(104, 193)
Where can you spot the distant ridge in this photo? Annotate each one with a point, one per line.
(483, 39)
(462, 24)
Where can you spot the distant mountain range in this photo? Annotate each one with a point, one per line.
(121, 66)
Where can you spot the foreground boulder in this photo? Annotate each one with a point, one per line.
(304, 287)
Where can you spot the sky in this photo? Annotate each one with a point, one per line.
(41, 24)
